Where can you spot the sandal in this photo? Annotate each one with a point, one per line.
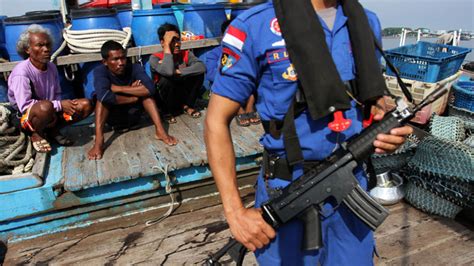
(242, 120)
(170, 119)
(41, 146)
(194, 114)
(254, 118)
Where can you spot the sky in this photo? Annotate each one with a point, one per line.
(432, 14)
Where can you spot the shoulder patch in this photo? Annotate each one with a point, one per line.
(228, 59)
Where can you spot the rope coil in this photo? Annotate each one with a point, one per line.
(17, 151)
(90, 41)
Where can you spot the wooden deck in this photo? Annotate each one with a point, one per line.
(137, 153)
(197, 228)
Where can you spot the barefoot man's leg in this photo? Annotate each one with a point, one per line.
(101, 114)
(150, 107)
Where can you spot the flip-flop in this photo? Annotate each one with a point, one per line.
(242, 120)
(170, 119)
(255, 117)
(41, 146)
(193, 114)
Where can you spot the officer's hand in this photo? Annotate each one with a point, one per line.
(387, 143)
(249, 228)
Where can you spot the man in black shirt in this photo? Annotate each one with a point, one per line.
(120, 89)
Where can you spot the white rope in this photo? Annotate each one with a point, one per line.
(90, 41)
(16, 154)
(169, 191)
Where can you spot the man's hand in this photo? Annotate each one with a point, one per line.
(137, 83)
(177, 72)
(167, 40)
(249, 228)
(69, 106)
(387, 143)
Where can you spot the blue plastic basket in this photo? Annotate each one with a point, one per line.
(427, 62)
(464, 95)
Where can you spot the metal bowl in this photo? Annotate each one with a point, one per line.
(389, 189)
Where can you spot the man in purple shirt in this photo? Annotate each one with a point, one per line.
(34, 91)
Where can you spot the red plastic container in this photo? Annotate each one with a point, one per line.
(110, 3)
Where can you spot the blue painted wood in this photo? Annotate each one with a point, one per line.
(14, 183)
(73, 207)
(26, 202)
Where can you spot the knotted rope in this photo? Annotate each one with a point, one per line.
(17, 153)
(168, 190)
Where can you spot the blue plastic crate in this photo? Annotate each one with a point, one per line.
(464, 95)
(427, 62)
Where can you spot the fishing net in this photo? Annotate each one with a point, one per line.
(447, 127)
(395, 161)
(440, 157)
(429, 202)
(465, 115)
(440, 176)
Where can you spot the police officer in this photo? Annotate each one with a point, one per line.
(255, 60)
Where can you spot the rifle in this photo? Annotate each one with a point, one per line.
(332, 178)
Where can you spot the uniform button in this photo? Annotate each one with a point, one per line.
(332, 109)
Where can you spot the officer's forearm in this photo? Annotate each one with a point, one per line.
(222, 161)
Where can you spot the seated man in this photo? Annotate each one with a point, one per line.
(246, 115)
(179, 75)
(120, 88)
(34, 92)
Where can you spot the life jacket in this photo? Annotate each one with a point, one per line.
(161, 55)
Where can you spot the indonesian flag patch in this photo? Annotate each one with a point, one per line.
(235, 38)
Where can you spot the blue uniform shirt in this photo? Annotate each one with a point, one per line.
(257, 62)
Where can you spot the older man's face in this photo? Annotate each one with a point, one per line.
(40, 48)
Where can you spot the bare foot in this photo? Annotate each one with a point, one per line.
(40, 144)
(167, 139)
(95, 153)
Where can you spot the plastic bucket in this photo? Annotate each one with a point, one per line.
(124, 15)
(3, 51)
(145, 24)
(3, 91)
(14, 26)
(239, 8)
(88, 78)
(95, 18)
(203, 21)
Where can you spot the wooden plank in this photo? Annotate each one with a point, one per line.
(116, 162)
(246, 138)
(410, 239)
(141, 161)
(196, 131)
(127, 240)
(167, 156)
(455, 249)
(79, 171)
(191, 147)
(196, 125)
(133, 51)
